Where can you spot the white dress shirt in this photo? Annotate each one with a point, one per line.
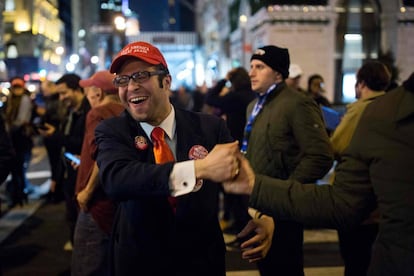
(182, 177)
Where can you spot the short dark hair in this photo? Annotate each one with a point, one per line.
(161, 76)
(375, 75)
(240, 80)
(312, 78)
(71, 81)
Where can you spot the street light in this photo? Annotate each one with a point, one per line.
(120, 26)
(120, 23)
(243, 22)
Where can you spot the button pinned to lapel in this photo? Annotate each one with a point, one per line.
(141, 142)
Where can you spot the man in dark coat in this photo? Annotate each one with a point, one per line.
(71, 137)
(151, 237)
(376, 171)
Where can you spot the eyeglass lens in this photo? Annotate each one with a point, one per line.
(138, 77)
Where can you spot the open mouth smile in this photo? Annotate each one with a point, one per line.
(138, 100)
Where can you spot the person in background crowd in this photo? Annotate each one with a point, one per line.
(356, 245)
(53, 114)
(388, 59)
(375, 172)
(18, 123)
(95, 96)
(295, 75)
(96, 210)
(284, 138)
(182, 98)
(7, 155)
(233, 101)
(199, 95)
(71, 136)
(316, 89)
(167, 217)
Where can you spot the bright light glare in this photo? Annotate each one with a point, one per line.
(189, 65)
(70, 67)
(211, 63)
(348, 87)
(74, 59)
(120, 23)
(42, 73)
(81, 33)
(200, 77)
(31, 88)
(59, 50)
(353, 37)
(94, 59)
(243, 18)
(183, 74)
(5, 91)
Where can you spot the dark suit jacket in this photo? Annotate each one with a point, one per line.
(377, 169)
(147, 237)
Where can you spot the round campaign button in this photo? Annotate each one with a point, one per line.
(197, 152)
(141, 142)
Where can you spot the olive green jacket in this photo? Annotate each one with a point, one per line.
(377, 169)
(288, 138)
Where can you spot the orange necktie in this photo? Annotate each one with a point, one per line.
(162, 154)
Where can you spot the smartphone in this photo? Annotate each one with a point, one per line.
(72, 157)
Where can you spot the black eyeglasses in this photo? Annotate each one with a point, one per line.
(138, 77)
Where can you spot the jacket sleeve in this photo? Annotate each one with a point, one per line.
(124, 170)
(313, 140)
(342, 205)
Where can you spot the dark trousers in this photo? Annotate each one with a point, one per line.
(19, 185)
(356, 248)
(285, 256)
(91, 248)
(69, 183)
(54, 152)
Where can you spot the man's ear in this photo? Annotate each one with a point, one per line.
(278, 77)
(167, 81)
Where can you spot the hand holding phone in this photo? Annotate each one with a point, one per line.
(72, 158)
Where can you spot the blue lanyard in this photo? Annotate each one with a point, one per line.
(256, 110)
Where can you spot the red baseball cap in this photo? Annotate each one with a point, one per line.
(101, 79)
(17, 82)
(141, 50)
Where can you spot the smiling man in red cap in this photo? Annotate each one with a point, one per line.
(96, 210)
(154, 235)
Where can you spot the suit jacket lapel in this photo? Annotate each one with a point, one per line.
(136, 131)
(186, 136)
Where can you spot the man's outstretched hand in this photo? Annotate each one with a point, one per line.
(243, 182)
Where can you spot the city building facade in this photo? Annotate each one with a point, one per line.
(330, 38)
(30, 33)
